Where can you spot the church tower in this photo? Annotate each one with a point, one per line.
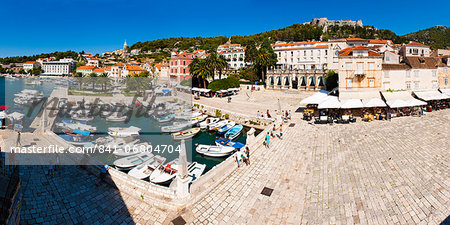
(125, 50)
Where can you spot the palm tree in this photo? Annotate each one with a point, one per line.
(79, 77)
(193, 67)
(203, 71)
(93, 79)
(104, 80)
(223, 65)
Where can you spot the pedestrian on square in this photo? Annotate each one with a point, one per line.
(290, 114)
(238, 158)
(57, 168)
(281, 131)
(244, 158)
(247, 152)
(18, 144)
(273, 131)
(268, 140)
(102, 175)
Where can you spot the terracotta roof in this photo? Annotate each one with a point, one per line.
(373, 41)
(318, 46)
(356, 39)
(135, 68)
(99, 70)
(401, 66)
(161, 65)
(86, 68)
(349, 51)
(30, 62)
(423, 62)
(413, 43)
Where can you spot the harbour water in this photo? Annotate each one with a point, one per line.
(150, 129)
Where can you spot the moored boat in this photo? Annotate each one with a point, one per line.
(164, 173)
(145, 170)
(226, 128)
(208, 121)
(124, 131)
(214, 150)
(230, 143)
(189, 133)
(134, 160)
(195, 170)
(234, 132)
(218, 125)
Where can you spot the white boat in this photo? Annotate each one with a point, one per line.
(218, 125)
(116, 118)
(195, 170)
(76, 125)
(28, 97)
(214, 150)
(134, 160)
(197, 119)
(208, 121)
(175, 127)
(189, 133)
(226, 128)
(124, 131)
(145, 170)
(233, 132)
(131, 148)
(165, 173)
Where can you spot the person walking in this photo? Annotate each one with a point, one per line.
(57, 168)
(273, 131)
(290, 115)
(102, 175)
(281, 131)
(244, 159)
(268, 140)
(50, 168)
(18, 143)
(247, 152)
(238, 158)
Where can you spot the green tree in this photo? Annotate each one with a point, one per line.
(331, 80)
(265, 58)
(201, 70)
(93, 79)
(79, 77)
(36, 70)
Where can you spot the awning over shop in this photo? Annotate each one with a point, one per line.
(373, 102)
(315, 99)
(351, 104)
(429, 95)
(445, 91)
(399, 99)
(329, 102)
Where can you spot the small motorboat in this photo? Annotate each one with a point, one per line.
(233, 132)
(81, 117)
(124, 131)
(132, 161)
(116, 118)
(164, 173)
(166, 118)
(197, 119)
(175, 127)
(230, 143)
(208, 121)
(75, 125)
(131, 148)
(189, 133)
(226, 128)
(217, 125)
(214, 150)
(78, 138)
(145, 170)
(195, 170)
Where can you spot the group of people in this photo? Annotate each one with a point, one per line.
(243, 157)
(286, 115)
(262, 114)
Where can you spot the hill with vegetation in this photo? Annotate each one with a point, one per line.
(437, 37)
(23, 59)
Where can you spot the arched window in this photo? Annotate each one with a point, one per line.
(312, 81)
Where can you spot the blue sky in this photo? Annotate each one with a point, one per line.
(30, 27)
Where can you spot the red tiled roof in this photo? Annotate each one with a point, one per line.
(135, 68)
(86, 68)
(30, 62)
(374, 41)
(413, 43)
(349, 51)
(99, 70)
(318, 46)
(299, 43)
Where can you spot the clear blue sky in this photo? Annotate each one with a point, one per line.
(29, 26)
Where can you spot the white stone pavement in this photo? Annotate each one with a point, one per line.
(365, 173)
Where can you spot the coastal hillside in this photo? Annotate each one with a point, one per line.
(436, 37)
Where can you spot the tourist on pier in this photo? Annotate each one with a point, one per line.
(18, 144)
(290, 115)
(57, 164)
(268, 140)
(244, 158)
(273, 131)
(268, 114)
(247, 152)
(102, 175)
(238, 158)
(258, 114)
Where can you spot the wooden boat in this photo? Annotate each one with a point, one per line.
(208, 121)
(226, 128)
(132, 161)
(166, 118)
(214, 150)
(197, 119)
(189, 133)
(164, 173)
(175, 127)
(234, 132)
(116, 118)
(145, 170)
(230, 143)
(195, 170)
(218, 125)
